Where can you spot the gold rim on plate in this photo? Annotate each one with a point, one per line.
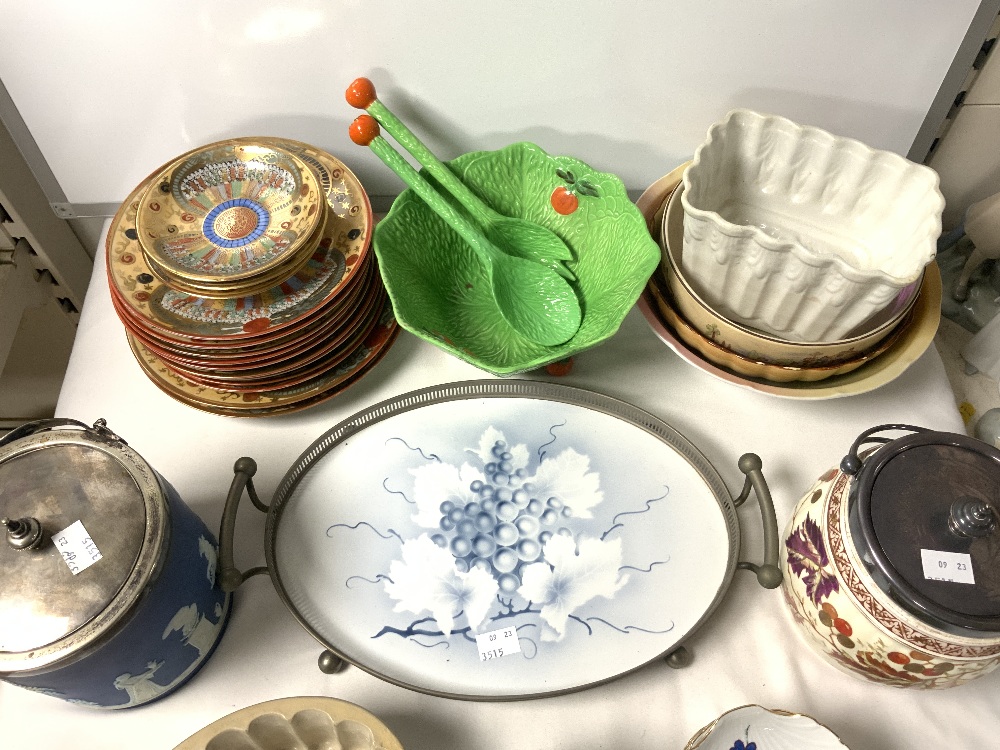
(322, 356)
(246, 287)
(237, 403)
(253, 351)
(258, 353)
(229, 211)
(180, 316)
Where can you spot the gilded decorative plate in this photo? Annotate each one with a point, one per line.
(311, 363)
(344, 195)
(232, 210)
(246, 287)
(235, 403)
(179, 315)
(262, 349)
(324, 317)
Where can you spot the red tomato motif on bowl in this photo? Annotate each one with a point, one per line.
(565, 198)
(563, 201)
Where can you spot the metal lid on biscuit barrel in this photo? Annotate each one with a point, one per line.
(927, 514)
(81, 532)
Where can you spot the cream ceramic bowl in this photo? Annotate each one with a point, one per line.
(747, 366)
(755, 345)
(800, 233)
(912, 341)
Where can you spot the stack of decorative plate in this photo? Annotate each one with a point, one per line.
(242, 275)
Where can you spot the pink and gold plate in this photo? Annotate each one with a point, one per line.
(228, 211)
(186, 317)
(293, 398)
(323, 356)
(264, 348)
(306, 338)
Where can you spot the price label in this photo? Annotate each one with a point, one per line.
(76, 547)
(955, 567)
(497, 643)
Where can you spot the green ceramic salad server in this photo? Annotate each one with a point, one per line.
(537, 302)
(514, 236)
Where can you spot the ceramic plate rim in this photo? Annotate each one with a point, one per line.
(705, 732)
(331, 163)
(309, 394)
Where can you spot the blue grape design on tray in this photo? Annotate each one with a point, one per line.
(507, 538)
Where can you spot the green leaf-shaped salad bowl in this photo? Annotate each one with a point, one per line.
(441, 292)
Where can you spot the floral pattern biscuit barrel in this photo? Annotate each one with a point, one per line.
(110, 597)
(891, 560)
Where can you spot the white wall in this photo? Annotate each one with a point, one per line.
(967, 157)
(110, 90)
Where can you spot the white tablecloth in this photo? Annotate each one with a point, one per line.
(748, 652)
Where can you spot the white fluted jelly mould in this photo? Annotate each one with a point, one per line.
(800, 233)
(300, 723)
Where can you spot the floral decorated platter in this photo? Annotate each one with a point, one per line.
(502, 542)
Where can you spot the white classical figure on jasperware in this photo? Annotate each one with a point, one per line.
(141, 688)
(196, 629)
(207, 550)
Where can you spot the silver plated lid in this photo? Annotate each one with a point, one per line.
(84, 518)
(924, 511)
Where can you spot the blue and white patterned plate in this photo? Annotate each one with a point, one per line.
(759, 728)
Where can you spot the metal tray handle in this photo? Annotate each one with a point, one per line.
(768, 573)
(231, 577)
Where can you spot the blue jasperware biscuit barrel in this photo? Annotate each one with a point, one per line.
(109, 596)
